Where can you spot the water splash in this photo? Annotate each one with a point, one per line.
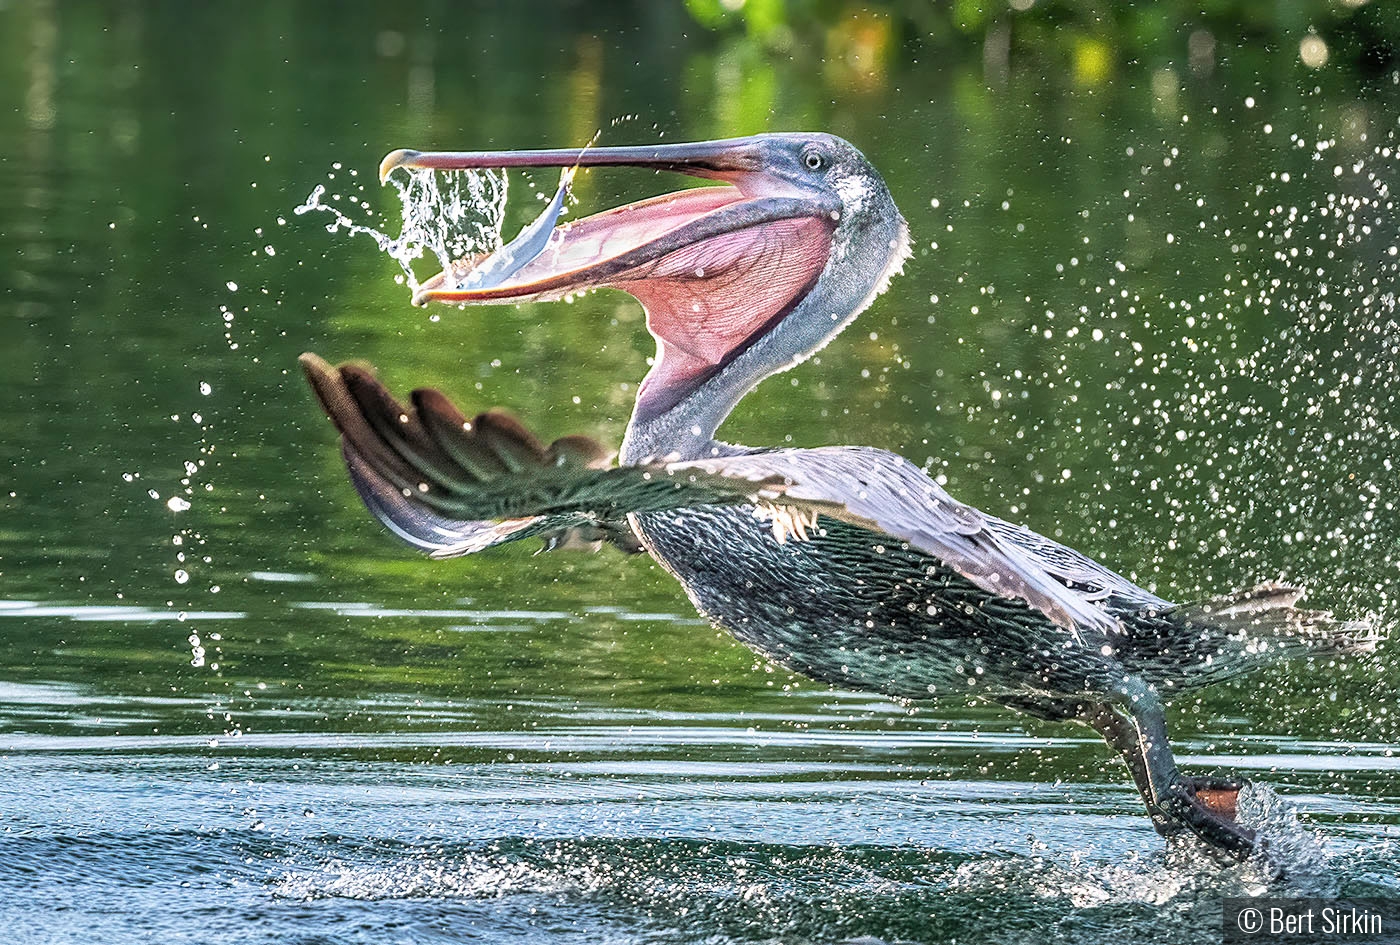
(451, 216)
(1286, 845)
(191, 557)
(471, 875)
(724, 891)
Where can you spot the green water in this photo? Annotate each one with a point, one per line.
(1150, 314)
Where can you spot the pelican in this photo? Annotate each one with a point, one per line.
(846, 564)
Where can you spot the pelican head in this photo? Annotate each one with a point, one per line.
(739, 281)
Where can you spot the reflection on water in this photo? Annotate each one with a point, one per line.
(90, 612)
(1151, 313)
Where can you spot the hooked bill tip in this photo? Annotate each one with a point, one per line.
(396, 159)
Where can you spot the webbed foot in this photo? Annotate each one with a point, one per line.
(1208, 807)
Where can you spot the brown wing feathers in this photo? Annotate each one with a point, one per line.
(431, 451)
(437, 479)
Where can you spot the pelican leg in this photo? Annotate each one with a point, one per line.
(1122, 737)
(1205, 806)
(1120, 734)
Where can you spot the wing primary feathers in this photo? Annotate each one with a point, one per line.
(575, 450)
(453, 432)
(401, 429)
(349, 418)
(516, 447)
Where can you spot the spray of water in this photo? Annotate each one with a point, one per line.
(450, 216)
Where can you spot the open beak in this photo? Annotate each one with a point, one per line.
(684, 235)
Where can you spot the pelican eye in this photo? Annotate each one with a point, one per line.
(814, 160)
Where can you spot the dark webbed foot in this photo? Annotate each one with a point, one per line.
(1133, 723)
(1208, 806)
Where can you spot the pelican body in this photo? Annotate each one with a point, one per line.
(845, 564)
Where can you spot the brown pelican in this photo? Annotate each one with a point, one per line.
(846, 564)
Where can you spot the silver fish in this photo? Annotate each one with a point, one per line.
(528, 244)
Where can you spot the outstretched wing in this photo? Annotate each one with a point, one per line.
(453, 486)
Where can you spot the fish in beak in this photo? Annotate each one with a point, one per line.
(488, 272)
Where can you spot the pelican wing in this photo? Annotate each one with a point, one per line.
(888, 495)
(450, 486)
